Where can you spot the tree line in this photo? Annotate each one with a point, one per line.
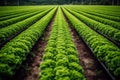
(38, 2)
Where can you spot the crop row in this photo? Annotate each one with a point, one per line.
(18, 14)
(103, 49)
(19, 18)
(99, 19)
(105, 13)
(15, 51)
(60, 61)
(108, 8)
(110, 11)
(7, 32)
(114, 18)
(107, 30)
(15, 10)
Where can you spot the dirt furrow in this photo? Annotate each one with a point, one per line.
(91, 66)
(30, 68)
(87, 60)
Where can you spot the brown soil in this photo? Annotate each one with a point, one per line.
(30, 68)
(92, 68)
(87, 60)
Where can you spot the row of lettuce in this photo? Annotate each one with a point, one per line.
(111, 17)
(7, 32)
(104, 29)
(109, 12)
(15, 10)
(20, 16)
(102, 48)
(16, 14)
(98, 18)
(60, 60)
(15, 51)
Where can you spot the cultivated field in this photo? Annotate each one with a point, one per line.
(69, 42)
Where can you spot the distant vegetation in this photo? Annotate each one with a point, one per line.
(39, 2)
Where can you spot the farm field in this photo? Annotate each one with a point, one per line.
(66, 42)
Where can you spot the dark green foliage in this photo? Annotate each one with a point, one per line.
(99, 19)
(51, 2)
(16, 19)
(109, 31)
(61, 53)
(15, 51)
(7, 32)
(117, 72)
(5, 70)
(103, 49)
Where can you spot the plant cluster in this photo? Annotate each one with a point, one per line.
(103, 49)
(99, 19)
(104, 12)
(60, 61)
(14, 20)
(107, 30)
(15, 51)
(7, 32)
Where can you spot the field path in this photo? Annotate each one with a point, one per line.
(30, 68)
(92, 68)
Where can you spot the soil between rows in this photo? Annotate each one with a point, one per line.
(30, 68)
(91, 66)
(87, 60)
